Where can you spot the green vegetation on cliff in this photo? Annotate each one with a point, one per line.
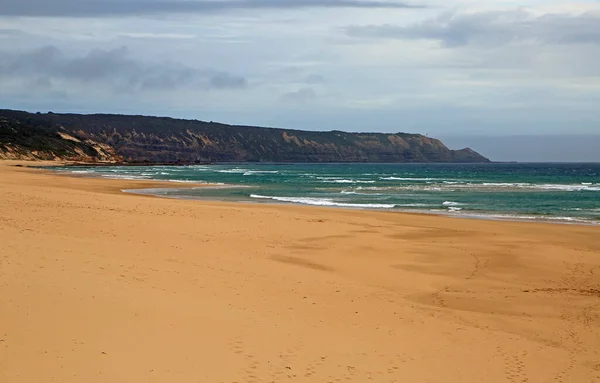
(27, 138)
(160, 139)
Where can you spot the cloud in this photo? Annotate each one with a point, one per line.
(227, 81)
(527, 70)
(168, 36)
(314, 79)
(10, 33)
(114, 68)
(300, 96)
(492, 29)
(168, 79)
(92, 8)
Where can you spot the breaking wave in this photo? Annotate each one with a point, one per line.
(324, 202)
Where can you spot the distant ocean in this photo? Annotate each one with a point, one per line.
(549, 192)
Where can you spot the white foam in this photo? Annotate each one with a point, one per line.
(324, 202)
(502, 184)
(358, 193)
(454, 185)
(236, 170)
(345, 181)
(125, 177)
(404, 188)
(193, 182)
(253, 172)
(567, 187)
(408, 179)
(202, 168)
(451, 203)
(558, 187)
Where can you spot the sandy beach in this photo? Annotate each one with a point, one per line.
(97, 285)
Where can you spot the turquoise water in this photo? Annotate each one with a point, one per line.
(557, 192)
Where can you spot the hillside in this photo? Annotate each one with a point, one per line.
(102, 137)
(25, 138)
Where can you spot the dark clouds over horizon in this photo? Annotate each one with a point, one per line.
(97, 8)
(114, 69)
(492, 29)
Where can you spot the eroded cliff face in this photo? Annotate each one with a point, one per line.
(157, 139)
(26, 139)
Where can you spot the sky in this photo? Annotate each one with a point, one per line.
(453, 68)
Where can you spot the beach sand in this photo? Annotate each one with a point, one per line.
(102, 286)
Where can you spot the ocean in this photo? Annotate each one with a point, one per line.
(568, 193)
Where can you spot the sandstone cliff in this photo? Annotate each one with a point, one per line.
(25, 138)
(158, 139)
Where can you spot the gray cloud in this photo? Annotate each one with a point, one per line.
(489, 29)
(91, 8)
(114, 68)
(314, 79)
(165, 80)
(498, 78)
(227, 81)
(300, 96)
(11, 33)
(41, 83)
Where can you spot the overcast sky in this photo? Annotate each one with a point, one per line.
(453, 67)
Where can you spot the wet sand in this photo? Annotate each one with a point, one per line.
(97, 285)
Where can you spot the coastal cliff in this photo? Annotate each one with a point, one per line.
(120, 138)
(26, 138)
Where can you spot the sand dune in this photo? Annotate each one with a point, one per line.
(101, 286)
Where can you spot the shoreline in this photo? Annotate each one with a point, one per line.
(129, 186)
(120, 183)
(99, 285)
(471, 216)
(491, 216)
